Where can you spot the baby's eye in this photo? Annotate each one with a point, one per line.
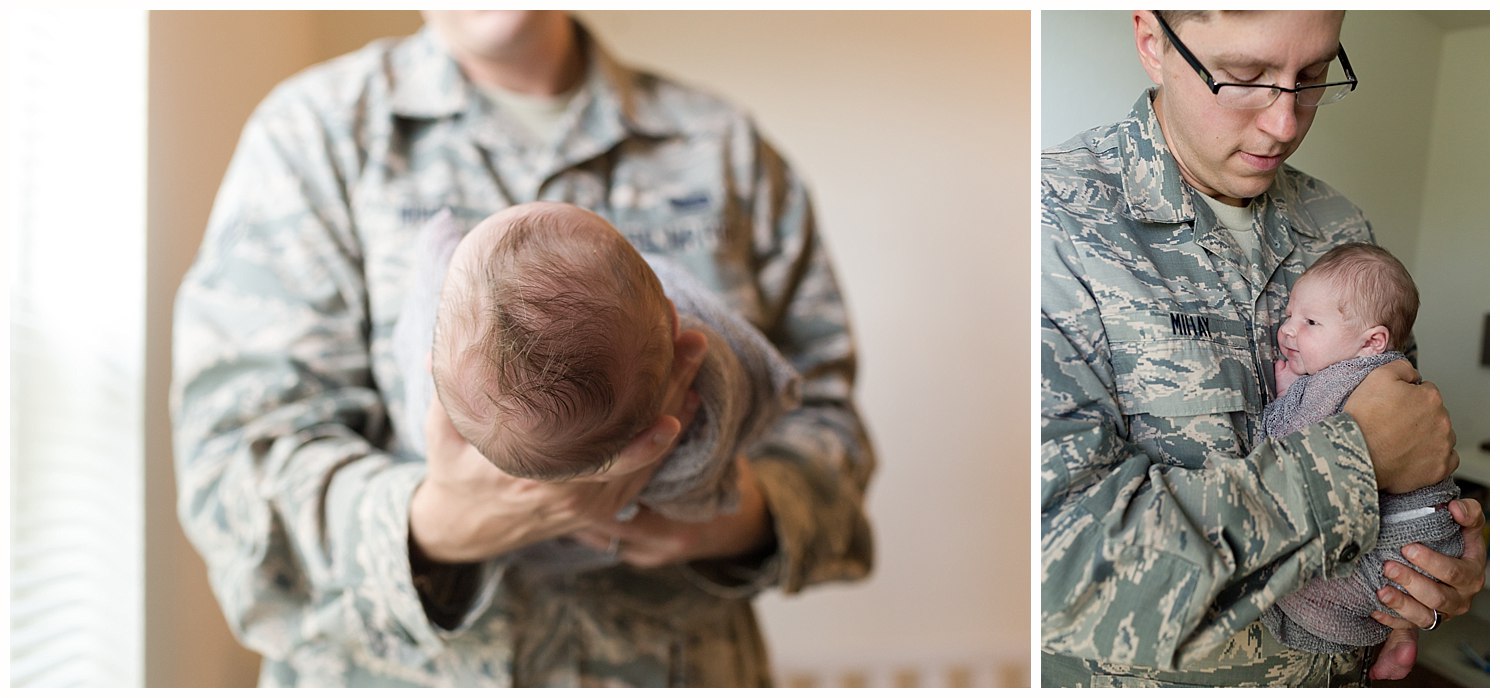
(1311, 321)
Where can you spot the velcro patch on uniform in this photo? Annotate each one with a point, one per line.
(417, 215)
(1187, 325)
(1158, 324)
(690, 202)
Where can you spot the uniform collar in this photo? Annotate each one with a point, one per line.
(616, 94)
(428, 84)
(1153, 187)
(426, 81)
(1286, 198)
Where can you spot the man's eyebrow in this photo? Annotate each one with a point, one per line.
(1245, 60)
(1239, 60)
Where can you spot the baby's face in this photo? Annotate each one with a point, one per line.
(1316, 334)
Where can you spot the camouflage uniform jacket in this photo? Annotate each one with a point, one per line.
(1165, 535)
(285, 381)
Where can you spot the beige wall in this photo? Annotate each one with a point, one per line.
(913, 131)
(208, 70)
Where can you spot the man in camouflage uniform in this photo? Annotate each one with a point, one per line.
(345, 561)
(1164, 535)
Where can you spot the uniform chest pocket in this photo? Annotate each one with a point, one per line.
(1179, 364)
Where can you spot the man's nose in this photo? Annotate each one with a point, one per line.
(1280, 119)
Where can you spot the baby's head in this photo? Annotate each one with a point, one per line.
(1356, 300)
(553, 341)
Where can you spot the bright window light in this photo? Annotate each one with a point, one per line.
(74, 205)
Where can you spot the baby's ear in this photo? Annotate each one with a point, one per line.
(1377, 340)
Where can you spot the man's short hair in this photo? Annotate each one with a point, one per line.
(1175, 18)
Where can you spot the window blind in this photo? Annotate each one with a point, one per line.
(75, 196)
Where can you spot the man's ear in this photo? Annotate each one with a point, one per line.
(1150, 44)
(1377, 340)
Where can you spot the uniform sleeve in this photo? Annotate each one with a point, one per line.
(1154, 565)
(301, 520)
(815, 464)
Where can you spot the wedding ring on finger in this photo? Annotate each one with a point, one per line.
(1437, 619)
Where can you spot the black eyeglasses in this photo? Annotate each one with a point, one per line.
(1236, 95)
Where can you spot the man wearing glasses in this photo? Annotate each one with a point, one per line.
(1169, 243)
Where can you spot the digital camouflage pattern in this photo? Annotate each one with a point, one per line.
(291, 483)
(1165, 534)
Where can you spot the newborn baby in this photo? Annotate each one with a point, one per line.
(551, 343)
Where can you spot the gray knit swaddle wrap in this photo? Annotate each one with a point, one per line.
(1331, 615)
(744, 385)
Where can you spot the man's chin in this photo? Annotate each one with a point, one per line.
(1249, 187)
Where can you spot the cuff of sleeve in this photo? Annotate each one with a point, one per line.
(734, 579)
(812, 545)
(383, 562)
(742, 577)
(1341, 491)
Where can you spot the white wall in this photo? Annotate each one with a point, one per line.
(1410, 147)
(1090, 74)
(912, 129)
(1453, 246)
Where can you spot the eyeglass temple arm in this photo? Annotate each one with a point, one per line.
(1193, 62)
(1348, 70)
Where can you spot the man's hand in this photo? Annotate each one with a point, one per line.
(466, 509)
(1406, 427)
(1456, 580)
(651, 540)
(1459, 579)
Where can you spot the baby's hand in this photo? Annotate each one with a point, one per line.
(1285, 376)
